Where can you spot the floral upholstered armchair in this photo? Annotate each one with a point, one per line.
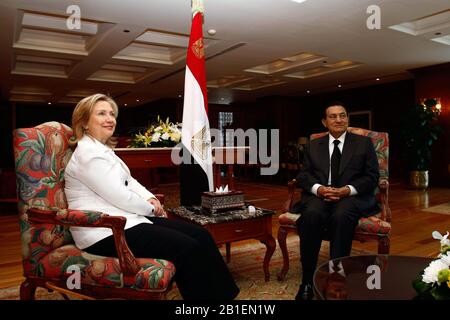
(373, 228)
(49, 253)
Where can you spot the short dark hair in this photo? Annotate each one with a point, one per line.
(330, 104)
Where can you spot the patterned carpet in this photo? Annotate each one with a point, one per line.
(441, 208)
(246, 267)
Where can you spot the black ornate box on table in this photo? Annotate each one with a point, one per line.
(222, 201)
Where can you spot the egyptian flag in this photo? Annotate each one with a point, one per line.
(196, 175)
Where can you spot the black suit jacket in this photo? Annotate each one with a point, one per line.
(358, 167)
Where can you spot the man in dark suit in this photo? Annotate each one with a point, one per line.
(339, 177)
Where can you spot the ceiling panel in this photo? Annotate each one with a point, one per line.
(256, 48)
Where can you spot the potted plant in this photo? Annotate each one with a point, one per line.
(419, 132)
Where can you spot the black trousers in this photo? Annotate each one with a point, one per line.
(201, 272)
(336, 220)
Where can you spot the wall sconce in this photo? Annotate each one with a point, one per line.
(433, 103)
(438, 105)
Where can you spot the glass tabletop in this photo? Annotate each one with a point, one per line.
(369, 277)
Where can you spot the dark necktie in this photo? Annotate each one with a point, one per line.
(335, 161)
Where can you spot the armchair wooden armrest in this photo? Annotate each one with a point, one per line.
(292, 185)
(93, 219)
(384, 199)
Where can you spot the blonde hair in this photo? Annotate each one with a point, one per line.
(82, 113)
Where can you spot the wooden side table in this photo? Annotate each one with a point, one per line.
(233, 225)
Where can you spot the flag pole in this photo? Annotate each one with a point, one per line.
(195, 177)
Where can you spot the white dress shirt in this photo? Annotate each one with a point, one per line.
(331, 139)
(96, 179)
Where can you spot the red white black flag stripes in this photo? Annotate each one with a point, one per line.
(195, 134)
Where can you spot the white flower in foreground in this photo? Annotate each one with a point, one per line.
(431, 272)
(444, 239)
(445, 258)
(165, 136)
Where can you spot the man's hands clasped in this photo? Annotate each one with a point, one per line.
(332, 194)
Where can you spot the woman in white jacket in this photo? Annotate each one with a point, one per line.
(96, 179)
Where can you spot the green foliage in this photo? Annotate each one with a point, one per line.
(419, 131)
(427, 291)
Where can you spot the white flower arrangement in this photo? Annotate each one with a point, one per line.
(434, 283)
(159, 134)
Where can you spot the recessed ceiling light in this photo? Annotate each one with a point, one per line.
(125, 104)
(179, 96)
(339, 85)
(298, 1)
(307, 91)
(378, 79)
(137, 100)
(49, 103)
(212, 32)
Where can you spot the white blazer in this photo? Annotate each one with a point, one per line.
(97, 179)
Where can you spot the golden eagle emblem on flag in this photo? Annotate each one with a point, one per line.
(200, 144)
(198, 48)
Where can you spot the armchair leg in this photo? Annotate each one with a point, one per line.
(384, 245)
(282, 234)
(27, 290)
